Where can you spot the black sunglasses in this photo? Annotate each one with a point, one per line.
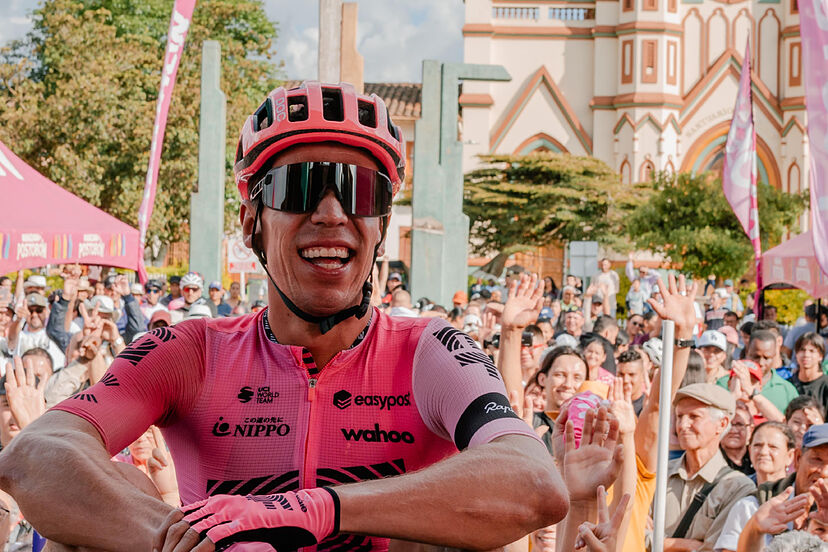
(299, 187)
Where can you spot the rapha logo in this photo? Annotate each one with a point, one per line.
(494, 407)
(245, 394)
(91, 246)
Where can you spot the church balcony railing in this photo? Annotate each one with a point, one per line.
(510, 12)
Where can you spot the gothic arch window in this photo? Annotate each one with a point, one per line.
(646, 172)
(626, 172)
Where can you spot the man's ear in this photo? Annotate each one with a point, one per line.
(542, 380)
(247, 218)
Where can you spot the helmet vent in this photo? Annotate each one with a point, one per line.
(367, 114)
(332, 104)
(392, 130)
(298, 108)
(264, 115)
(239, 152)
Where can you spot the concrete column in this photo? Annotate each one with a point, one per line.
(207, 202)
(351, 62)
(330, 38)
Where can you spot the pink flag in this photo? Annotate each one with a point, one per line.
(813, 27)
(176, 35)
(739, 176)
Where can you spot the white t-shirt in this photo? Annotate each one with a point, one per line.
(737, 518)
(30, 340)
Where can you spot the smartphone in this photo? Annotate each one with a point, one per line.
(526, 339)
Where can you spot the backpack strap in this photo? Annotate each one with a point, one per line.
(698, 501)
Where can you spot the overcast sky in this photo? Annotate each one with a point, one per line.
(394, 35)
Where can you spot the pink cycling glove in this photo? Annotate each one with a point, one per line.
(286, 521)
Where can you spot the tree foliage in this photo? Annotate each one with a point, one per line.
(544, 197)
(78, 95)
(689, 220)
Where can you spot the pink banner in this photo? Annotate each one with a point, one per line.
(739, 176)
(813, 28)
(176, 36)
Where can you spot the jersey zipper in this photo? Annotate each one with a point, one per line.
(313, 380)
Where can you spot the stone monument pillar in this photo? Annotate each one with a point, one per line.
(330, 37)
(207, 201)
(440, 229)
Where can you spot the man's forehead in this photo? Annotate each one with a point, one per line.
(689, 404)
(632, 367)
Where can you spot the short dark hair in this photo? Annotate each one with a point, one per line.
(630, 355)
(768, 325)
(731, 313)
(3, 280)
(802, 402)
(623, 338)
(649, 315)
(766, 336)
(536, 332)
(747, 327)
(810, 338)
(603, 322)
(41, 352)
(790, 438)
(439, 308)
(455, 313)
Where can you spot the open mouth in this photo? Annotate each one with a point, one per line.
(329, 258)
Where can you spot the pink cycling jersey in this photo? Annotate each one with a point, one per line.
(243, 414)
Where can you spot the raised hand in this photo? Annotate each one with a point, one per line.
(597, 461)
(819, 491)
(601, 537)
(773, 516)
(678, 304)
(487, 326)
(25, 397)
(523, 304)
(622, 407)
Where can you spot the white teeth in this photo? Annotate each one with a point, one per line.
(314, 252)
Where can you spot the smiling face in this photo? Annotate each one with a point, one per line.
(594, 354)
(563, 380)
(632, 374)
(320, 260)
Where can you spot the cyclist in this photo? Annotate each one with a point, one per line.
(285, 426)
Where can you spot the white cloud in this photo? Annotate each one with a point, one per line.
(16, 20)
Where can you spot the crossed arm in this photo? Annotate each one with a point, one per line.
(61, 475)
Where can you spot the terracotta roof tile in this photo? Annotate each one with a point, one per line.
(401, 98)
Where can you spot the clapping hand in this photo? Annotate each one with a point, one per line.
(523, 304)
(24, 394)
(622, 408)
(597, 461)
(601, 537)
(819, 491)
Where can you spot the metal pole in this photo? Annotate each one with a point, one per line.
(668, 330)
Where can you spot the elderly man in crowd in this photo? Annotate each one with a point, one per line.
(701, 488)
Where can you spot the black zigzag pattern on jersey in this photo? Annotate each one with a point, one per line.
(89, 397)
(110, 380)
(333, 476)
(478, 357)
(453, 339)
(137, 351)
(346, 542)
(164, 333)
(263, 485)
(268, 501)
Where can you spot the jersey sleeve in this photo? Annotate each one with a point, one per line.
(459, 391)
(152, 382)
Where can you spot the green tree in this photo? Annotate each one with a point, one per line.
(689, 220)
(78, 95)
(540, 198)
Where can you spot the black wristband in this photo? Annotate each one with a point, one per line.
(684, 343)
(336, 511)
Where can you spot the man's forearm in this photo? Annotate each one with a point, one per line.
(751, 538)
(681, 545)
(482, 498)
(567, 533)
(67, 487)
(768, 409)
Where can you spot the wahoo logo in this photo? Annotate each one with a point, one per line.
(377, 435)
(467, 358)
(453, 339)
(135, 353)
(110, 380)
(163, 333)
(85, 397)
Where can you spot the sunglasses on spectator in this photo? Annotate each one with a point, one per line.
(299, 187)
(36, 309)
(154, 290)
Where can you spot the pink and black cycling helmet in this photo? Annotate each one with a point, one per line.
(316, 112)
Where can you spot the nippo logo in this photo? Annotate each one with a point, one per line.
(31, 245)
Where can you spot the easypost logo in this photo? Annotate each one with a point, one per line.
(343, 399)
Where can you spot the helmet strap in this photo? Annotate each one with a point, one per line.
(326, 323)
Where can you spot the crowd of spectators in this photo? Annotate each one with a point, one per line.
(749, 444)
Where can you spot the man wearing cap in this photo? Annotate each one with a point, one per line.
(29, 329)
(460, 299)
(744, 527)
(35, 284)
(216, 303)
(175, 291)
(192, 287)
(153, 299)
(703, 412)
(160, 319)
(761, 349)
(713, 348)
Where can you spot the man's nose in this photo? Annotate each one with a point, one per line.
(329, 211)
